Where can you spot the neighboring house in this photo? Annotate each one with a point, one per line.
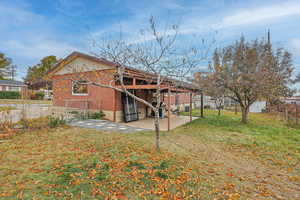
(41, 85)
(293, 99)
(208, 101)
(70, 89)
(258, 106)
(11, 85)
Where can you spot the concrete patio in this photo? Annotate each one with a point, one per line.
(148, 123)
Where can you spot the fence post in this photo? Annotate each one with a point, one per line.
(286, 113)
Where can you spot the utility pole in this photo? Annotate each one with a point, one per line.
(269, 37)
(13, 71)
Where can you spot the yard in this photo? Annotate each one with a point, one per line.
(211, 158)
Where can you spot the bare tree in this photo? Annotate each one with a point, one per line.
(211, 87)
(250, 70)
(156, 53)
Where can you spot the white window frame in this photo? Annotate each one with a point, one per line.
(11, 86)
(79, 94)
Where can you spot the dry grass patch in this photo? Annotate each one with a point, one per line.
(86, 164)
(211, 158)
(24, 101)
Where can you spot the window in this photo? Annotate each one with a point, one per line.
(14, 88)
(80, 88)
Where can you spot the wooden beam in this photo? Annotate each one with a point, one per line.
(169, 108)
(176, 89)
(139, 86)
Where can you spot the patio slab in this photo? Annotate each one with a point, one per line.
(105, 125)
(148, 123)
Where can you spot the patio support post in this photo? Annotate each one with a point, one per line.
(134, 81)
(191, 95)
(169, 107)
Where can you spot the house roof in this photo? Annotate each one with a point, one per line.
(12, 82)
(75, 55)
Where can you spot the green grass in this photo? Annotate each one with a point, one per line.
(24, 101)
(263, 130)
(6, 108)
(212, 158)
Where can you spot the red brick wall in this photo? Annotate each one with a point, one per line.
(183, 98)
(98, 97)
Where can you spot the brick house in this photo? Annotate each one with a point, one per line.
(70, 89)
(16, 86)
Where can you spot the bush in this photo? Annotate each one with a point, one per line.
(10, 95)
(88, 115)
(37, 123)
(56, 121)
(206, 106)
(40, 95)
(37, 96)
(96, 115)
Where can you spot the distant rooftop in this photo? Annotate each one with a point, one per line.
(11, 82)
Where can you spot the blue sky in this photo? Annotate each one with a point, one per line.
(32, 29)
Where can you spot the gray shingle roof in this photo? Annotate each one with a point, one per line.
(11, 82)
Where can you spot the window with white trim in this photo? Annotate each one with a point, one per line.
(14, 88)
(80, 87)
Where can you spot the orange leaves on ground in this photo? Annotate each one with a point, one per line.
(126, 171)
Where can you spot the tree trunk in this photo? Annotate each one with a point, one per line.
(202, 105)
(219, 112)
(235, 108)
(156, 124)
(245, 111)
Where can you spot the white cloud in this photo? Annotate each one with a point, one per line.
(16, 16)
(27, 37)
(193, 22)
(260, 14)
(37, 49)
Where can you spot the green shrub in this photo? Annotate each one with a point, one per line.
(56, 121)
(10, 95)
(74, 112)
(89, 115)
(96, 115)
(206, 106)
(40, 95)
(37, 96)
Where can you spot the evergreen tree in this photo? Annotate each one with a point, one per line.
(4, 66)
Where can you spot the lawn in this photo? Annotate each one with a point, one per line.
(6, 108)
(24, 101)
(211, 158)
